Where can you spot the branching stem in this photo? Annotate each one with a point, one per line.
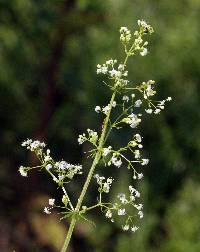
(89, 177)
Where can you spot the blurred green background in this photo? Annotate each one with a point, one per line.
(48, 91)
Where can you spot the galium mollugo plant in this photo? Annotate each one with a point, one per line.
(131, 102)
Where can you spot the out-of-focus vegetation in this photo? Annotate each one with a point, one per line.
(48, 90)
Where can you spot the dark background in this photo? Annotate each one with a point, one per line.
(48, 90)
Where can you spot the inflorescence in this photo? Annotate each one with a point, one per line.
(132, 102)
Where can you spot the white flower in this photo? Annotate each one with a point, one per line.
(125, 98)
(137, 154)
(132, 198)
(51, 202)
(149, 111)
(110, 180)
(46, 210)
(123, 29)
(114, 104)
(141, 23)
(48, 167)
(97, 109)
(169, 98)
(121, 211)
(133, 95)
(125, 227)
(131, 189)
(23, 171)
(134, 228)
(144, 52)
(145, 161)
(161, 103)
(138, 138)
(106, 151)
(106, 187)
(141, 215)
(102, 69)
(116, 162)
(125, 73)
(140, 176)
(138, 103)
(106, 109)
(111, 62)
(157, 111)
(108, 214)
(134, 120)
(99, 179)
(161, 107)
(47, 158)
(138, 207)
(98, 71)
(115, 73)
(137, 194)
(121, 67)
(27, 142)
(122, 198)
(82, 138)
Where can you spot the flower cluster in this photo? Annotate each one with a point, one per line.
(115, 160)
(31, 145)
(118, 74)
(65, 170)
(144, 27)
(133, 120)
(147, 88)
(104, 185)
(60, 171)
(121, 208)
(115, 157)
(106, 151)
(23, 171)
(125, 35)
(106, 108)
(138, 44)
(47, 210)
(92, 137)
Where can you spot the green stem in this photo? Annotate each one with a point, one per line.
(94, 164)
(69, 234)
(90, 208)
(89, 177)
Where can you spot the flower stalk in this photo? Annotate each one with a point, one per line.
(89, 177)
